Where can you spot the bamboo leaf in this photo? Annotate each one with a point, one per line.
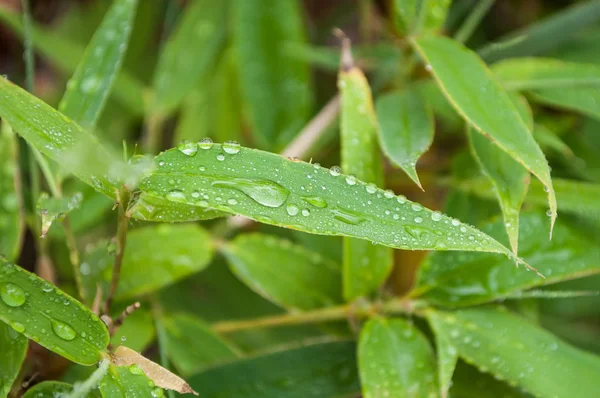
(267, 74)
(465, 279)
(50, 317)
(468, 84)
(279, 191)
(447, 358)
(161, 255)
(52, 209)
(148, 207)
(580, 99)
(13, 347)
(192, 346)
(300, 280)
(513, 349)
(11, 221)
(189, 53)
(366, 266)
(314, 371)
(395, 360)
(406, 129)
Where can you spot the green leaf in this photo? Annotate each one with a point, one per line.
(50, 317)
(582, 48)
(66, 54)
(395, 360)
(419, 16)
(447, 358)
(48, 389)
(284, 273)
(192, 346)
(93, 79)
(58, 137)
(127, 382)
(406, 129)
(148, 207)
(485, 385)
(160, 255)
(189, 53)
(11, 222)
(137, 332)
(544, 35)
(433, 15)
(458, 279)
(52, 209)
(508, 177)
(405, 15)
(279, 191)
(13, 347)
(513, 349)
(366, 266)
(580, 99)
(267, 74)
(319, 370)
(543, 73)
(468, 84)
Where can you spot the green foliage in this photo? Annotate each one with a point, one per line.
(264, 274)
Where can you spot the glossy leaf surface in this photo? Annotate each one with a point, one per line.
(516, 350)
(160, 255)
(469, 86)
(48, 389)
(148, 207)
(458, 279)
(406, 129)
(11, 224)
(50, 317)
(365, 266)
(127, 382)
(267, 74)
(319, 370)
(13, 347)
(91, 83)
(279, 191)
(284, 273)
(395, 360)
(51, 209)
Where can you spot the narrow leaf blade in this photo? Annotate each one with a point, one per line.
(148, 207)
(468, 84)
(13, 347)
(580, 99)
(11, 220)
(50, 317)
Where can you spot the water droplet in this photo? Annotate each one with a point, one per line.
(292, 210)
(12, 295)
(232, 201)
(416, 207)
(195, 194)
(63, 330)
(388, 193)
(136, 370)
(371, 188)
(418, 220)
(315, 201)
(549, 213)
(305, 212)
(231, 147)
(205, 143)
(335, 171)
(455, 222)
(17, 326)
(436, 216)
(401, 199)
(220, 157)
(264, 192)
(176, 196)
(89, 84)
(188, 148)
(348, 216)
(350, 179)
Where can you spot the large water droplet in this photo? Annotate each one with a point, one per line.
(388, 193)
(348, 216)
(416, 207)
(292, 210)
(18, 326)
(63, 330)
(205, 143)
(12, 295)
(305, 212)
(315, 201)
(264, 192)
(371, 188)
(220, 157)
(176, 196)
(188, 148)
(335, 171)
(136, 370)
(418, 220)
(350, 179)
(415, 231)
(436, 216)
(231, 147)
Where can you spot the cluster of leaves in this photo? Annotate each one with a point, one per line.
(305, 310)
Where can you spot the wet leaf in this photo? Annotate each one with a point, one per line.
(406, 129)
(148, 207)
(267, 74)
(279, 191)
(468, 84)
(13, 347)
(468, 382)
(459, 279)
(513, 349)
(11, 221)
(52, 209)
(50, 317)
(160, 255)
(543, 73)
(365, 266)
(127, 382)
(447, 357)
(189, 53)
(192, 346)
(49, 389)
(130, 366)
(284, 273)
(91, 84)
(314, 371)
(395, 360)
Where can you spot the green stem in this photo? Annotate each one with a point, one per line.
(151, 142)
(28, 54)
(473, 20)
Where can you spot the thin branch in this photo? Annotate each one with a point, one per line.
(119, 321)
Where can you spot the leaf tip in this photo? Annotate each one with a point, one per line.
(346, 60)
